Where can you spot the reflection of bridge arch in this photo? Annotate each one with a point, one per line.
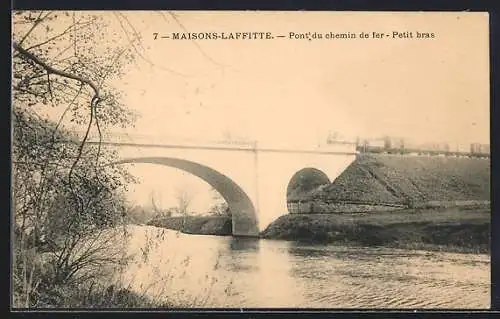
(244, 216)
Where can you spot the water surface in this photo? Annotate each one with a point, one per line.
(212, 271)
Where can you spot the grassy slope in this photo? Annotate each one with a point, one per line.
(397, 179)
(450, 229)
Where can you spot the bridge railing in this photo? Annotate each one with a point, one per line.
(142, 139)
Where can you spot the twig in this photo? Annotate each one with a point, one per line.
(64, 114)
(52, 70)
(194, 42)
(49, 86)
(74, 37)
(132, 27)
(58, 35)
(35, 24)
(140, 54)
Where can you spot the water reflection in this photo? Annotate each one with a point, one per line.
(244, 244)
(211, 271)
(240, 255)
(302, 251)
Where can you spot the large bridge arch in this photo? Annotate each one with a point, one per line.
(244, 214)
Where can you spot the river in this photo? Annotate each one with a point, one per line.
(212, 271)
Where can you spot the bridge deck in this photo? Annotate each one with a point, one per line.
(341, 147)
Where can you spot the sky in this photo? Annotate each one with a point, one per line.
(426, 90)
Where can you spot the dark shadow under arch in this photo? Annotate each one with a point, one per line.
(245, 222)
(303, 182)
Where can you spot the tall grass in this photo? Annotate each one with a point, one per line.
(150, 275)
(170, 277)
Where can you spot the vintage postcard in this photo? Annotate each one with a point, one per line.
(248, 159)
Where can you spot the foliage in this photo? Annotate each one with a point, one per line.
(66, 222)
(68, 200)
(68, 203)
(142, 215)
(65, 42)
(220, 207)
(305, 182)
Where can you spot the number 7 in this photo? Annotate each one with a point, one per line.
(155, 35)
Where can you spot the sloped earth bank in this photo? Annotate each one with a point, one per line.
(396, 179)
(457, 229)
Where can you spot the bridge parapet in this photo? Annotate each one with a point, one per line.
(141, 139)
(169, 141)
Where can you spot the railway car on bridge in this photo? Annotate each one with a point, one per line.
(370, 145)
(480, 150)
(432, 149)
(394, 145)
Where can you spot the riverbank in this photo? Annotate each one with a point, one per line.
(463, 229)
(95, 296)
(200, 225)
(452, 229)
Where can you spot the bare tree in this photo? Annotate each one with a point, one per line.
(66, 199)
(184, 199)
(64, 206)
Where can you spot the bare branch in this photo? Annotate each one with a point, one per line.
(131, 42)
(194, 42)
(132, 27)
(93, 105)
(74, 37)
(52, 70)
(63, 51)
(38, 20)
(49, 86)
(59, 35)
(64, 114)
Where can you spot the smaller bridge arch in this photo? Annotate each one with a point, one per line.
(244, 215)
(301, 184)
(305, 180)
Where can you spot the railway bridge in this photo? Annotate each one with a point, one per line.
(252, 177)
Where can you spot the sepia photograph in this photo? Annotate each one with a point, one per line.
(250, 159)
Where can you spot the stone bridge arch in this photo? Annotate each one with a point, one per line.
(244, 214)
